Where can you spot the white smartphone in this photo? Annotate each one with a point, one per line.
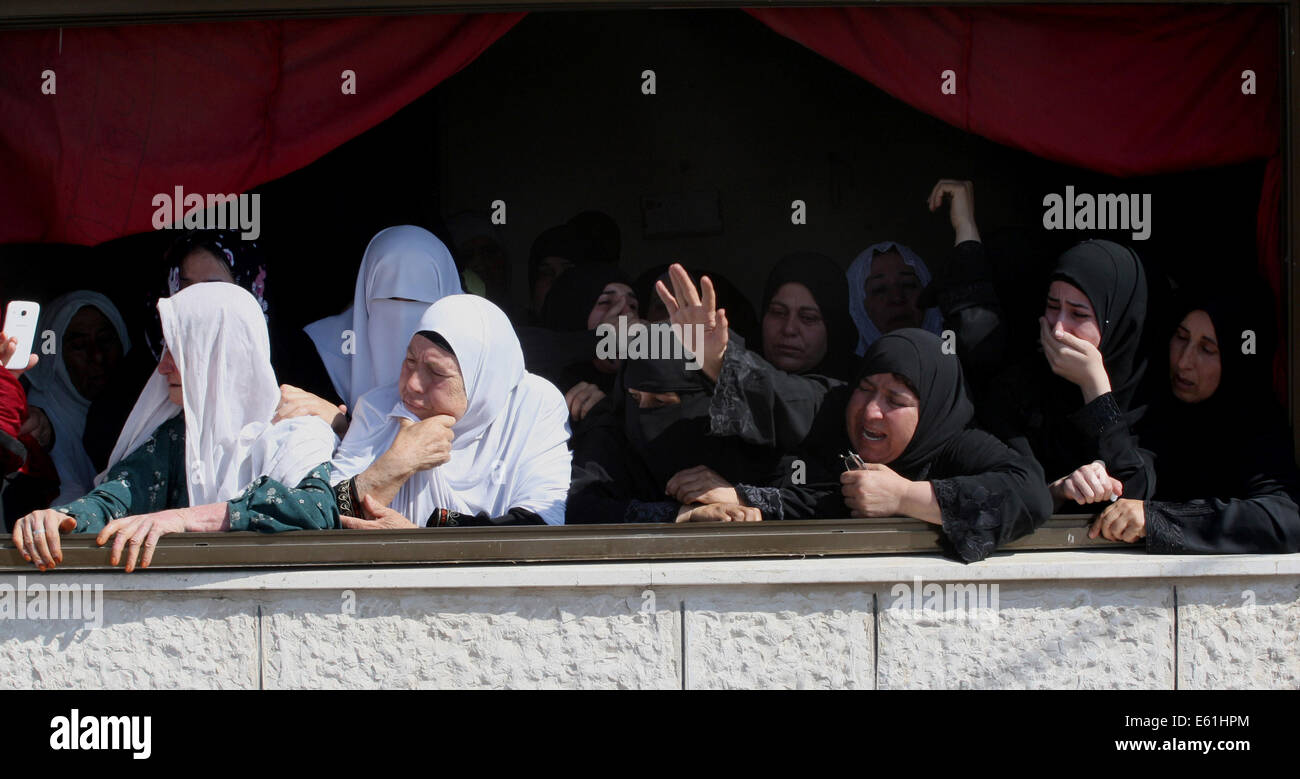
(20, 323)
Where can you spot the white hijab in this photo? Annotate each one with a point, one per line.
(400, 262)
(53, 391)
(511, 447)
(217, 337)
(858, 273)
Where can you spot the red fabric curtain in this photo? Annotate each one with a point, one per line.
(212, 108)
(1123, 90)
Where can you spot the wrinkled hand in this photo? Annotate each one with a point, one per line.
(425, 444)
(701, 484)
(296, 402)
(582, 398)
(381, 517)
(720, 512)
(37, 537)
(961, 207)
(37, 425)
(1074, 360)
(1088, 484)
(140, 532)
(7, 348)
(687, 308)
(874, 491)
(1124, 520)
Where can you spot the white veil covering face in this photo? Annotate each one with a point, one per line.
(510, 449)
(401, 262)
(858, 273)
(217, 337)
(53, 391)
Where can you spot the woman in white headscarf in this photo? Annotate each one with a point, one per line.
(466, 436)
(89, 341)
(405, 268)
(199, 434)
(885, 283)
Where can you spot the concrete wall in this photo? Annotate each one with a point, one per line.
(1048, 620)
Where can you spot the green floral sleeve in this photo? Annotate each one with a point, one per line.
(152, 478)
(270, 507)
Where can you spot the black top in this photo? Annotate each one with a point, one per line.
(1228, 480)
(1033, 409)
(988, 493)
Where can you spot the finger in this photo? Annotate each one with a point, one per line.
(19, 542)
(1095, 528)
(667, 297)
(1130, 533)
(137, 540)
(1116, 487)
(934, 199)
(55, 529)
(1081, 485)
(443, 419)
(42, 546)
(354, 523)
(683, 286)
(150, 543)
(124, 532)
(710, 299)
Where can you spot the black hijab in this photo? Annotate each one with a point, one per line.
(1112, 277)
(559, 241)
(829, 287)
(945, 409)
(571, 299)
(674, 437)
(1189, 439)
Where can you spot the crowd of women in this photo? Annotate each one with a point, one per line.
(891, 390)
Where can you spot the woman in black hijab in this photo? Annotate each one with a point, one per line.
(1223, 449)
(806, 325)
(1073, 408)
(908, 419)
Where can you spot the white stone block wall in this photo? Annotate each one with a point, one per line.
(1106, 620)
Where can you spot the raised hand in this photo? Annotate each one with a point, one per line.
(690, 308)
(961, 207)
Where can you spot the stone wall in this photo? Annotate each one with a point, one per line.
(1096, 619)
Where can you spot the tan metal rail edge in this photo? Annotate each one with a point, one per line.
(539, 544)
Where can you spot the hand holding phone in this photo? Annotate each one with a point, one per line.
(19, 333)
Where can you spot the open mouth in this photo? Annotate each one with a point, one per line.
(872, 436)
(1184, 383)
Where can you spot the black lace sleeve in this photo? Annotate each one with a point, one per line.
(1108, 433)
(1259, 525)
(761, 404)
(765, 499)
(988, 494)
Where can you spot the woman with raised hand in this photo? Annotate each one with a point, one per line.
(464, 436)
(404, 270)
(1223, 449)
(199, 451)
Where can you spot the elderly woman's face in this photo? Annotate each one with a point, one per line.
(91, 351)
(167, 368)
(881, 418)
(892, 290)
(794, 333)
(431, 383)
(1195, 366)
